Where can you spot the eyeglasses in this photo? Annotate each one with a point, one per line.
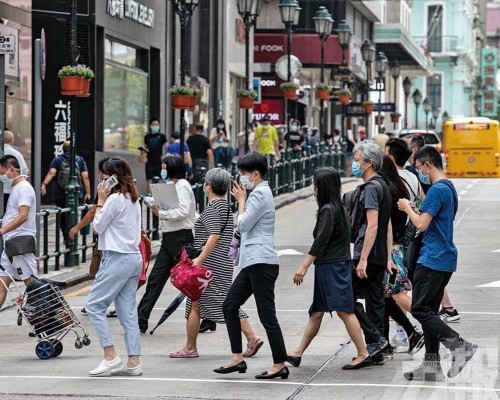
(420, 167)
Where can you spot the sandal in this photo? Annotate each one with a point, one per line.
(111, 314)
(253, 347)
(185, 353)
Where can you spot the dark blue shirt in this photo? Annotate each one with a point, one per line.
(438, 250)
(56, 163)
(175, 148)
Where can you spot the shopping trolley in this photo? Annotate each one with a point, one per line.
(48, 315)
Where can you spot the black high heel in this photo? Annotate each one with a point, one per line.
(207, 325)
(282, 373)
(241, 368)
(294, 360)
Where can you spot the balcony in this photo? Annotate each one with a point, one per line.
(439, 44)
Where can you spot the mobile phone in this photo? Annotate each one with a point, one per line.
(143, 149)
(392, 277)
(110, 183)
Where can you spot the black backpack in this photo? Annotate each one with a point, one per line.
(64, 175)
(353, 207)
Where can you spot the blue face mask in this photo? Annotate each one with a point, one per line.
(155, 128)
(164, 175)
(5, 180)
(424, 178)
(356, 169)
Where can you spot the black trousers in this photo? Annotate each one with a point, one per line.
(428, 289)
(397, 314)
(259, 280)
(371, 289)
(171, 245)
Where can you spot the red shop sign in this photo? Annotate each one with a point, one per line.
(271, 107)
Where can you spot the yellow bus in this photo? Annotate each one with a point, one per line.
(472, 147)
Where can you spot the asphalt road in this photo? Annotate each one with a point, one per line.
(474, 289)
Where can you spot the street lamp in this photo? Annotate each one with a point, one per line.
(477, 100)
(344, 33)
(380, 66)
(249, 11)
(368, 56)
(407, 91)
(289, 15)
(417, 99)
(395, 70)
(323, 23)
(435, 115)
(184, 9)
(427, 104)
(445, 117)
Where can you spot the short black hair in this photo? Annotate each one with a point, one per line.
(253, 161)
(199, 126)
(101, 164)
(429, 154)
(417, 141)
(176, 169)
(9, 161)
(153, 120)
(176, 135)
(399, 150)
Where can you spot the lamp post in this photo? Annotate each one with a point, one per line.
(368, 55)
(380, 66)
(427, 104)
(406, 90)
(323, 23)
(445, 117)
(417, 100)
(344, 33)
(435, 115)
(477, 101)
(289, 15)
(184, 9)
(249, 11)
(395, 70)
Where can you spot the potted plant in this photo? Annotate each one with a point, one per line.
(368, 106)
(246, 98)
(395, 117)
(323, 91)
(184, 97)
(344, 96)
(87, 75)
(290, 90)
(71, 80)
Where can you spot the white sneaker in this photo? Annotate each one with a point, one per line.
(127, 371)
(106, 366)
(399, 346)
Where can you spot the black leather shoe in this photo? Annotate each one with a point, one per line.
(295, 361)
(143, 325)
(367, 362)
(282, 373)
(241, 368)
(207, 325)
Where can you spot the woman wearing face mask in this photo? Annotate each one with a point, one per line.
(259, 263)
(219, 139)
(213, 233)
(155, 143)
(177, 228)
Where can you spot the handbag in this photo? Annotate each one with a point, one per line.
(412, 251)
(19, 245)
(192, 281)
(235, 246)
(145, 250)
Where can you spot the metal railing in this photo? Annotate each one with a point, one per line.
(439, 44)
(293, 171)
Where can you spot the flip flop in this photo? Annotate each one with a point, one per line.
(253, 347)
(111, 314)
(184, 353)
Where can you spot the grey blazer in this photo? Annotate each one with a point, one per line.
(256, 226)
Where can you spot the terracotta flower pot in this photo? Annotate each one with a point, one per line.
(290, 93)
(344, 98)
(85, 88)
(71, 85)
(322, 94)
(184, 102)
(368, 109)
(246, 102)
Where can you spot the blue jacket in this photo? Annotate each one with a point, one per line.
(256, 226)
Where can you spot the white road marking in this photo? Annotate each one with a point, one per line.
(495, 251)
(469, 186)
(491, 284)
(412, 385)
(288, 252)
(462, 216)
(462, 192)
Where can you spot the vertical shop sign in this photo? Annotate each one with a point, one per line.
(62, 125)
(489, 66)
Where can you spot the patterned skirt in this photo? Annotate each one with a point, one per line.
(401, 283)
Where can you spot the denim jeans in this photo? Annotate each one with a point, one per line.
(428, 289)
(116, 281)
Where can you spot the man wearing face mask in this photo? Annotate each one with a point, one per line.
(296, 137)
(435, 265)
(155, 143)
(219, 139)
(19, 219)
(266, 140)
(372, 246)
(9, 149)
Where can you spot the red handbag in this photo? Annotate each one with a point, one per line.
(192, 281)
(145, 250)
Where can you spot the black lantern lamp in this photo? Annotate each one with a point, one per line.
(427, 104)
(417, 100)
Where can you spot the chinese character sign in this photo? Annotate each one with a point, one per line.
(62, 125)
(489, 66)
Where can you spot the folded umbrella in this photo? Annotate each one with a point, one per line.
(169, 310)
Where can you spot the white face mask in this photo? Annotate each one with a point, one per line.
(245, 181)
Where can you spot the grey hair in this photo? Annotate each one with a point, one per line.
(219, 179)
(371, 152)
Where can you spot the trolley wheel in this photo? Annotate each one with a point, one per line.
(86, 341)
(44, 349)
(78, 344)
(58, 348)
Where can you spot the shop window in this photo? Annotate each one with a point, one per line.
(434, 89)
(435, 28)
(126, 99)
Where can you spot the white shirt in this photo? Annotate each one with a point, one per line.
(184, 216)
(219, 142)
(8, 149)
(118, 223)
(22, 194)
(411, 182)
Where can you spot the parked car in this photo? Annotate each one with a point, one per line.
(430, 137)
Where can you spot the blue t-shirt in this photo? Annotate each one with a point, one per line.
(56, 163)
(438, 251)
(175, 148)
